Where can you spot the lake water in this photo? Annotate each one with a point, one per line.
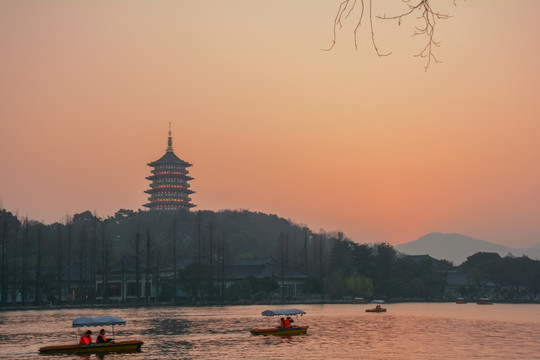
(406, 331)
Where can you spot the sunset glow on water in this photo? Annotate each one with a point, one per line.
(406, 331)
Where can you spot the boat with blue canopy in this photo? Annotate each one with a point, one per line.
(110, 346)
(286, 328)
(283, 312)
(98, 321)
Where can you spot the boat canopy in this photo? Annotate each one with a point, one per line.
(98, 321)
(377, 301)
(286, 312)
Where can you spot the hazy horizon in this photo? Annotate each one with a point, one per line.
(341, 140)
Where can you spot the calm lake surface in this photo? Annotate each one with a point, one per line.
(406, 331)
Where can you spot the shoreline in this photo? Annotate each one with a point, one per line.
(215, 304)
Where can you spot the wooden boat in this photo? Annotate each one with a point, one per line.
(484, 301)
(460, 300)
(378, 308)
(117, 347)
(375, 310)
(278, 330)
(359, 300)
(112, 346)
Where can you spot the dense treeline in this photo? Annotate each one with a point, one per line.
(510, 278)
(38, 259)
(83, 247)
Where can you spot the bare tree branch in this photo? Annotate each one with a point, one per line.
(359, 23)
(373, 32)
(337, 21)
(427, 16)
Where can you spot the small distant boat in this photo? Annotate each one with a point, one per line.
(112, 346)
(484, 301)
(460, 300)
(278, 330)
(359, 300)
(376, 310)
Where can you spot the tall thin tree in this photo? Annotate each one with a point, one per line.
(82, 262)
(282, 265)
(123, 279)
(211, 240)
(147, 287)
(175, 281)
(137, 266)
(38, 282)
(199, 252)
(156, 276)
(15, 283)
(105, 265)
(70, 296)
(24, 273)
(221, 265)
(94, 256)
(4, 286)
(306, 250)
(59, 263)
(321, 266)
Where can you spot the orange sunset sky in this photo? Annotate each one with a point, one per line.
(343, 140)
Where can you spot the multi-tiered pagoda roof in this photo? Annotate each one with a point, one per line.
(169, 187)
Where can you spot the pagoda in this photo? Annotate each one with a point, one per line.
(169, 189)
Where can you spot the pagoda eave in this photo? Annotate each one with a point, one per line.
(155, 163)
(175, 190)
(178, 176)
(169, 203)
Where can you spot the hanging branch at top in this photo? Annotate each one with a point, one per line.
(428, 18)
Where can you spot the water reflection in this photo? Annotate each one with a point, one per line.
(168, 327)
(406, 331)
(91, 356)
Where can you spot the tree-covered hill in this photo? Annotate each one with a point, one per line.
(194, 254)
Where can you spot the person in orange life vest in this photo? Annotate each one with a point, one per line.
(86, 338)
(282, 323)
(288, 322)
(101, 337)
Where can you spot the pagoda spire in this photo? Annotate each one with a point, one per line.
(169, 141)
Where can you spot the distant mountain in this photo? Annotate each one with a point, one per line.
(456, 248)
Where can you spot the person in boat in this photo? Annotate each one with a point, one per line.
(282, 323)
(288, 322)
(86, 338)
(378, 307)
(101, 337)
